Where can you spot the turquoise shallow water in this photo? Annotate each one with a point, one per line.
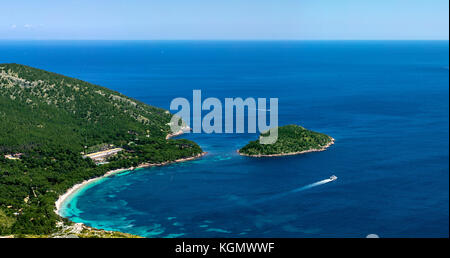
(385, 103)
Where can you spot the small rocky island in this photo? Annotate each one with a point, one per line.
(292, 140)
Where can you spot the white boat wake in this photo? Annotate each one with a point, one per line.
(303, 188)
(250, 203)
(311, 185)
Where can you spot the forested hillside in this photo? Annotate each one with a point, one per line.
(51, 120)
(291, 139)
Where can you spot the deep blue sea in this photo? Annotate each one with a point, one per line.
(386, 104)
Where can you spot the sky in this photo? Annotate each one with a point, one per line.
(225, 19)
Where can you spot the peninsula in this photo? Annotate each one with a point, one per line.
(292, 140)
(57, 132)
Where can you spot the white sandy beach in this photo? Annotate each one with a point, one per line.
(79, 186)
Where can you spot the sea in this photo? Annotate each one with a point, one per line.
(385, 102)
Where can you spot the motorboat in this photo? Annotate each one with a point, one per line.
(333, 178)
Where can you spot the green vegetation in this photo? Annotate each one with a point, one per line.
(71, 230)
(292, 139)
(53, 120)
(5, 221)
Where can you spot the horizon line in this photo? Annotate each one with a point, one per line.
(224, 39)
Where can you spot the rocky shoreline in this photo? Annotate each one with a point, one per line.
(290, 153)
